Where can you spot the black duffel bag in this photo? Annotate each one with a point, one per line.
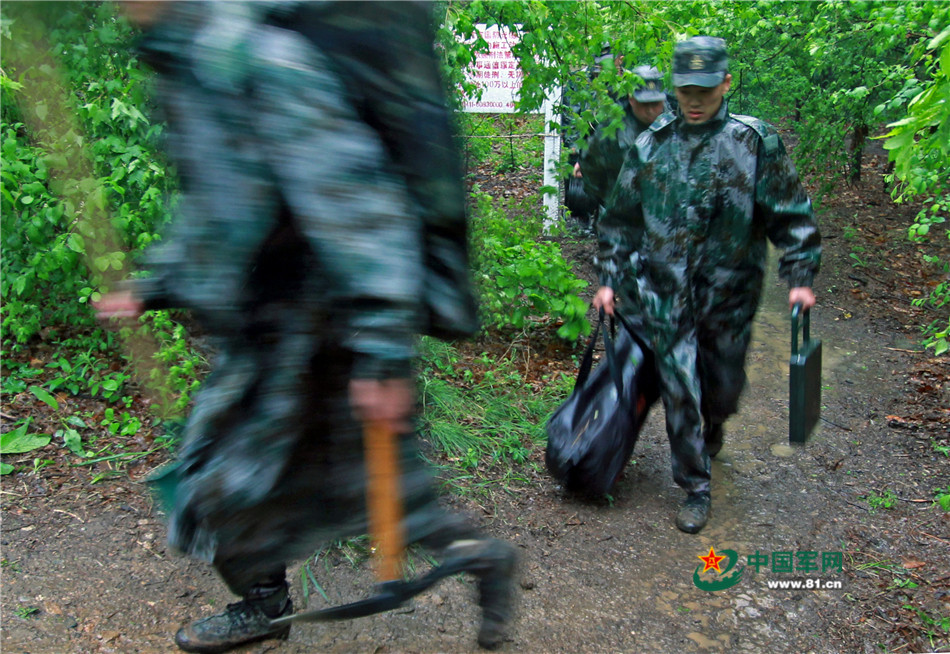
(592, 434)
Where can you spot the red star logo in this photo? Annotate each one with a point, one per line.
(711, 561)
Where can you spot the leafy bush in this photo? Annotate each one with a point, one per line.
(523, 281)
(82, 179)
(84, 188)
(919, 145)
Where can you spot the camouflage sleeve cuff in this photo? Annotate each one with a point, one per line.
(151, 290)
(607, 272)
(369, 367)
(801, 278)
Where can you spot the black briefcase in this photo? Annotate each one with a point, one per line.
(804, 406)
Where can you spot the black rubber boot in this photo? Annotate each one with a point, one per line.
(694, 513)
(713, 437)
(243, 622)
(495, 564)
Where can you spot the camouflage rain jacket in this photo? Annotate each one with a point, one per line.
(684, 236)
(683, 241)
(321, 229)
(262, 122)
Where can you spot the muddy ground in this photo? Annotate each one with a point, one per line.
(85, 568)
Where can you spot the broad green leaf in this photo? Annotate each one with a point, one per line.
(76, 243)
(73, 442)
(938, 40)
(859, 92)
(899, 140)
(5, 468)
(18, 441)
(43, 396)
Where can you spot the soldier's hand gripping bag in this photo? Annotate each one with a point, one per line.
(804, 402)
(592, 434)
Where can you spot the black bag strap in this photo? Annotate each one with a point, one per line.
(627, 324)
(610, 354)
(588, 360)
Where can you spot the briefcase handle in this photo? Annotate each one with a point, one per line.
(806, 326)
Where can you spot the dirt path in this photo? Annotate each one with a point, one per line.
(85, 567)
(596, 577)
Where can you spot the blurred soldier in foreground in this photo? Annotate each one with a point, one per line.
(684, 240)
(322, 230)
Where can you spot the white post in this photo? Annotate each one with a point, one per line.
(552, 160)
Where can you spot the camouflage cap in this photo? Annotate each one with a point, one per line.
(700, 61)
(651, 88)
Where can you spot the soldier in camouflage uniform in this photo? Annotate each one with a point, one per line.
(582, 206)
(601, 162)
(323, 228)
(683, 241)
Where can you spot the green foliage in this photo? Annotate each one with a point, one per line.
(84, 188)
(80, 161)
(885, 500)
(504, 142)
(934, 626)
(919, 145)
(523, 281)
(939, 448)
(481, 412)
(183, 366)
(72, 440)
(10, 566)
(18, 441)
(25, 612)
(942, 498)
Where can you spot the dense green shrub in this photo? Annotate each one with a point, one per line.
(521, 279)
(83, 181)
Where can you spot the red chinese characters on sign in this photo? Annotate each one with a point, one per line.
(496, 73)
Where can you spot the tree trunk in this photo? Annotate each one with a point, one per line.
(858, 137)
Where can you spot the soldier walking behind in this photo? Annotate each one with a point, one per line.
(601, 161)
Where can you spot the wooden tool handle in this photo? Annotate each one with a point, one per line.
(383, 499)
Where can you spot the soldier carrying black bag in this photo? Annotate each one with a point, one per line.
(683, 243)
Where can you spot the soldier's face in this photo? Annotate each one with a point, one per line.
(700, 103)
(646, 112)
